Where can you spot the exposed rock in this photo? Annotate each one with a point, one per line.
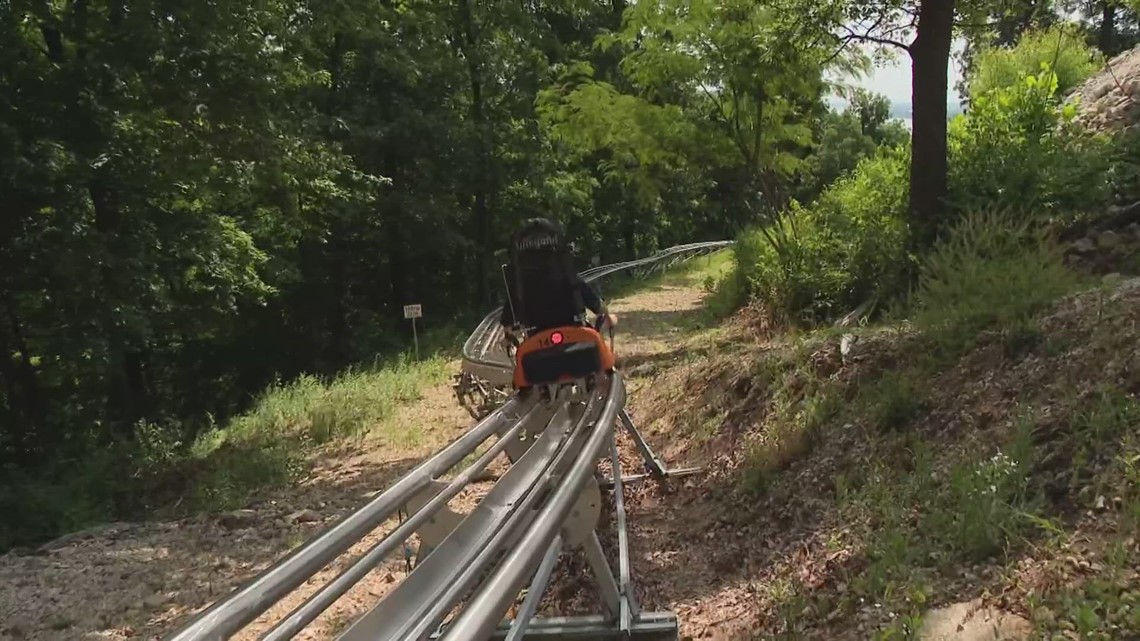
(1109, 239)
(970, 621)
(237, 519)
(1084, 246)
(847, 345)
(1110, 100)
(304, 516)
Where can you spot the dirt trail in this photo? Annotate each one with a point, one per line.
(141, 580)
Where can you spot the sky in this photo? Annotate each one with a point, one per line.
(894, 81)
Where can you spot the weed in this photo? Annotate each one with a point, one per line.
(801, 407)
(1129, 464)
(1021, 337)
(983, 513)
(897, 399)
(993, 271)
(789, 602)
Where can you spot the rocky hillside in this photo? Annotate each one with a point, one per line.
(1110, 100)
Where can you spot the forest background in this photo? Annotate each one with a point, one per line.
(209, 204)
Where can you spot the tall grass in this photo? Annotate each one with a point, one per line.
(159, 473)
(992, 272)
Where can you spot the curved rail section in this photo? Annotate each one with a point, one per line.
(470, 569)
(483, 356)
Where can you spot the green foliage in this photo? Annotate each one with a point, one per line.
(712, 112)
(895, 400)
(1018, 147)
(993, 271)
(221, 467)
(1061, 47)
(846, 249)
(847, 137)
(202, 199)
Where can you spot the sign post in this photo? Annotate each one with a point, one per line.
(413, 312)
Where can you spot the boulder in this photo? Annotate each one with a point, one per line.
(970, 621)
(237, 519)
(1108, 240)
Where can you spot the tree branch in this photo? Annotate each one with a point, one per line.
(855, 37)
(852, 35)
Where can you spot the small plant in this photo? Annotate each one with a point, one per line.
(984, 511)
(822, 261)
(895, 401)
(1061, 47)
(993, 271)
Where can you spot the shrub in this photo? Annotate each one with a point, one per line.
(895, 401)
(1062, 47)
(1018, 147)
(993, 270)
(157, 470)
(822, 261)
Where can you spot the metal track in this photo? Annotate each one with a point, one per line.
(512, 538)
(483, 355)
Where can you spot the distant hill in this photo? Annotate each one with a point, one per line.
(903, 110)
(900, 110)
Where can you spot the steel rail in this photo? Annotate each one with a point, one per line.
(304, 614)
(483, 358)
(627, 602)
(418, 604)
(227, 616)
(482, 615)
(534, 592)
(507, 537)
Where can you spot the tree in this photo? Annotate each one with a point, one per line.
(722, 91)
(1112, 26)
(844, 138)
(932, 24)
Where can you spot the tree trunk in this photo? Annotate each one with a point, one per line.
(480, 212)
(1106, 34)
(124, 364)
(24, 394)
(629, 236)
(930, 58)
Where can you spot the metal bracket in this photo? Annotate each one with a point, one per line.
(622, 618)
(654, 466)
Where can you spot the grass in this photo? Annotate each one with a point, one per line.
(704, 271)
(801, 407)
(269, 444)
(921, 504)
(923, 515)
(159, 474)
(896, 400)
(993, 273)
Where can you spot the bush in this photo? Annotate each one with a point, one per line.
(849, 247)
(1019, 147)
(1062, 47)
(994, 270)
(895, 401)
(158, 471)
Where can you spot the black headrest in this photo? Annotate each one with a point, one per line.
(538, 233)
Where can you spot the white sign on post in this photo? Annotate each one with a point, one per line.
(413, 312)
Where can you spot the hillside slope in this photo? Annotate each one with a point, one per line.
(141, 580)
(853, 489)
